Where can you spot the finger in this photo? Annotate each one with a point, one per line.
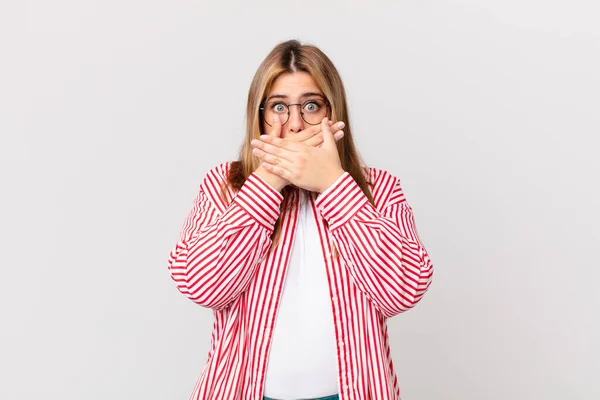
(272, 159)
(276, 127)
(301, 136)
(283, 143)
(328, 139)
(318, 139)
(307, 133)
(286, 174)
(334, 129)
(271, 149)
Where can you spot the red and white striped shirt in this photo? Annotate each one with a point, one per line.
(222, 262)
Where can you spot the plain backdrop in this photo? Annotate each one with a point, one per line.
(111, 112)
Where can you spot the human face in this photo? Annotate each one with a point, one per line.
(293, 88)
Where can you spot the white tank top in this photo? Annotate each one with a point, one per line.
(303, 355)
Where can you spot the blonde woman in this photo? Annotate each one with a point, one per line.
(301, 250)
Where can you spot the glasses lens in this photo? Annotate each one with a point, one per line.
(313, 111)
(278, 108)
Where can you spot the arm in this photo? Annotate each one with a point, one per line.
(220, 246)
(380, 248)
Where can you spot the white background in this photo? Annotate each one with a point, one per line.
(111, 112)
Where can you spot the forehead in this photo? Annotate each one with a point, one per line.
(294, 83)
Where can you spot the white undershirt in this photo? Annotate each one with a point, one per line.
(303, 357)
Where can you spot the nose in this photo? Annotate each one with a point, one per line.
(296, 123)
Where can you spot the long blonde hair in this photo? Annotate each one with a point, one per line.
(292, 56)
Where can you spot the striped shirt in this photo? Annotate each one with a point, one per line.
(222, 261)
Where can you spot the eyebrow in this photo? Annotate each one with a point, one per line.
(284, 96)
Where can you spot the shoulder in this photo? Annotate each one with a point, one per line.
(380, 178)
(214, 182)
(216, 175)
(220, 171)
(385, 186)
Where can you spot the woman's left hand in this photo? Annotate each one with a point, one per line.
(308, 167)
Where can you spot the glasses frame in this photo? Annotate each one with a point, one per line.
(262, 110)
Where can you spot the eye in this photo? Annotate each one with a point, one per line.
(312, 106)
(278, 107)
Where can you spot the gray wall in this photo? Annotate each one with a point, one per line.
(113, 111)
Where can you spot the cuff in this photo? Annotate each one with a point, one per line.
(340, 201)
(259, 199)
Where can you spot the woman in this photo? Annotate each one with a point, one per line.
(300, 250)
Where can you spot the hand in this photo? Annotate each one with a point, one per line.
(311, 137)
(311, 168)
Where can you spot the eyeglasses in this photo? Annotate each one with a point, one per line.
(312, 111)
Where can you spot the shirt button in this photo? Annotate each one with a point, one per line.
(346, 387)
(341, 343)
(334, 298)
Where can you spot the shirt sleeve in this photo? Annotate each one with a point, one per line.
(380, 246)
(217, 253)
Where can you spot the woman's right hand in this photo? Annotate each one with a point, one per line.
(311, 136)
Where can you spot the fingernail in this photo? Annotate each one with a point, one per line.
(340, 125)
